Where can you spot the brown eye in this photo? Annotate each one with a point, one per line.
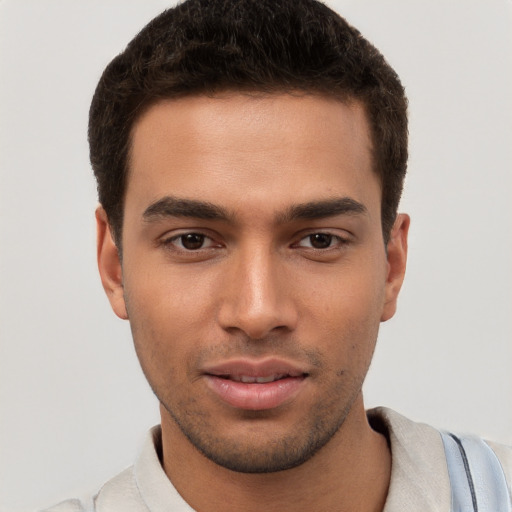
(192, 241)
(320, 240)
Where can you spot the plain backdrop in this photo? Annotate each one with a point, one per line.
(74, 406)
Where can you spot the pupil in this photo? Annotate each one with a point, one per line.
(320, 240)
(192, 241)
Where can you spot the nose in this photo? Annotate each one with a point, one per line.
(257, 298)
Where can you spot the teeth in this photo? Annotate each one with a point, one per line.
(271, 378)
(246, 379)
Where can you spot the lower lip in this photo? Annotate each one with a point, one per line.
(255, 396)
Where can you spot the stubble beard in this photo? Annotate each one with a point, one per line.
(272, 454)
(265, 451)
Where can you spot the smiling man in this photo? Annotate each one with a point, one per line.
(250, 157)
(254, 276)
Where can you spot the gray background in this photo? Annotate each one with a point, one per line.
(74, 405)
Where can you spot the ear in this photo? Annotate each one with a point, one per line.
(109, 265)
(397, 260)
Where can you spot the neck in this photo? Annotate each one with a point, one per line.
(350, 473)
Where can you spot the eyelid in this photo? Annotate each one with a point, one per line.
(342, 239)
(205, 240)
(168, 240)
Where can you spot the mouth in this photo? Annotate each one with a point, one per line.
(255, 385)
(250, 379)
(246, 379)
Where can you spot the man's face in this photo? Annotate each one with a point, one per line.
(254, 272)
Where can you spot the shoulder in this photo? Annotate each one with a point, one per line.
(504, 455)
(419, 474)
(139, 488)
(119, 493)
(421, 439)
(420, 477)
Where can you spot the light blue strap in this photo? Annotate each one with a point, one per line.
(477, 480)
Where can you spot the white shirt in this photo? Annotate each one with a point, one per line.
(419, 474)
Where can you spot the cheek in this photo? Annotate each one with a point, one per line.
(168, 297)
(164, 320)
(171, 313)
(348, 310)
(354, 291)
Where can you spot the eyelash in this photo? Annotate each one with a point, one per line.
(339, 241)
(171, 242)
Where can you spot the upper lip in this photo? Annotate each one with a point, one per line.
(236, 368)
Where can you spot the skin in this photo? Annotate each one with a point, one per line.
(261, 281)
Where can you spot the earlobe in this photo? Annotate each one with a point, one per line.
(109, 265)
(397, 260)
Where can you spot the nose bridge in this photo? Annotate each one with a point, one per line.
(257, 300)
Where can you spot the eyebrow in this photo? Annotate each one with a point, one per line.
(170, 206)
(323, 208)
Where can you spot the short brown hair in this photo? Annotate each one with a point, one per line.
(208, 46)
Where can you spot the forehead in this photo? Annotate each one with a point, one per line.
(273, 148)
